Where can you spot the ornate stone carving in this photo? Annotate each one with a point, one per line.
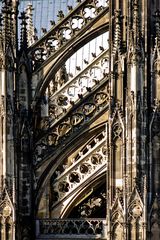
(64, 129)
(74, 90)
(70, 26)
(72, 228)
(70, 177)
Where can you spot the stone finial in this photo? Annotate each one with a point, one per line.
(1, 27)
(70, 8)
(117, 33)
(23, 40)
(60, 15)
(136, 21)
(44, 30)
(52, 22)
(31, 33)
(7, 25)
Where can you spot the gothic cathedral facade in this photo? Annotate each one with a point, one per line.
(80, 148)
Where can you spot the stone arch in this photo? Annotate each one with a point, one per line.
(42, 84)
(84, 193)
(62, 158)
(57, 97)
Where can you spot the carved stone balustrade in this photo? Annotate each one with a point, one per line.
(87, 165)
(75, 23)
(93, 105)
(87, 149)
(71, 229)
(77, 88)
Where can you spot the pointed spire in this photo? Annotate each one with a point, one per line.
(10, 13)
(157, 22)
(136, 51)
(117, 35)
(9, 23)
(31, 33)
(7, 28)
(136, 22)
(23, 41)
(156, 38)
(157, 27)
(1, 36)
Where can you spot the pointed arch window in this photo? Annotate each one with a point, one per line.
(117, 155)
(135, 228)
(156, 82)
(118, 165)
(118, 232)
(155, 231)
(118, 162)
(1, 229)
(156, 165)
(8, 229)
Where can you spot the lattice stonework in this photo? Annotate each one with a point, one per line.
(82, 167)
(73, 228)
(67, 29)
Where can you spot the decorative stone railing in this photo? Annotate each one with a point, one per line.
(71, 229)
(86, 151)
(95, 104)
(78, 87)
(91, 163)
(77, 22)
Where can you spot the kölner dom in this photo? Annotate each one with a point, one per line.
(80, 122)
